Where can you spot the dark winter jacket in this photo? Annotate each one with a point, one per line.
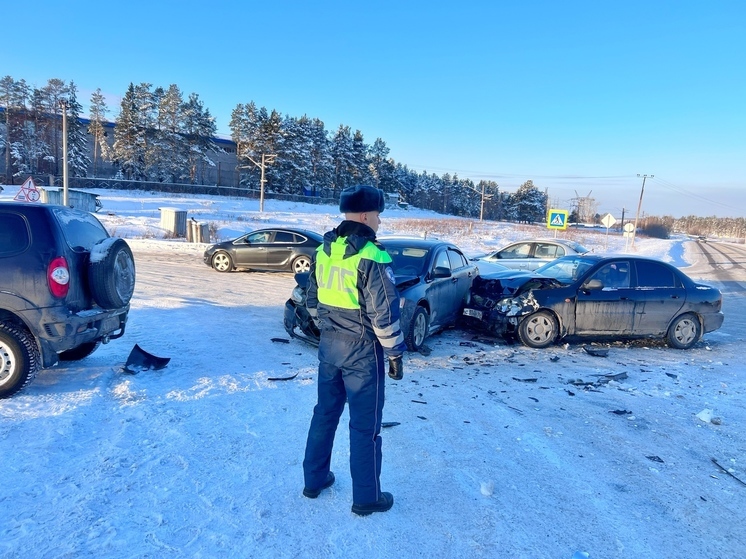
(369, 310)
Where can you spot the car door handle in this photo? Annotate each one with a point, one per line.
(454, 280)
(675, 297)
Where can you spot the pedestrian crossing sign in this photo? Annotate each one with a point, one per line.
(557, 219)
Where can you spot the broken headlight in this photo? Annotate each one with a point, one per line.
(298, 295)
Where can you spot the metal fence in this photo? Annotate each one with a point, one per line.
(85, 183)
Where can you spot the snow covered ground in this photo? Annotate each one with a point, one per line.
(500, 450)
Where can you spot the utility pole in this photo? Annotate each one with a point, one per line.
(63, 106)
(266, 160)
(484, 197)
(639, 205)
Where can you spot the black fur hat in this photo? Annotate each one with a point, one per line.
(361, 199)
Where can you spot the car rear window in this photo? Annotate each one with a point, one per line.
(80, 229)
(653, 274)
(14, 234)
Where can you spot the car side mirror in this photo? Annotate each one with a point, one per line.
(441, 272)
(593, 284)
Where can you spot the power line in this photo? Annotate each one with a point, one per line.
(679, 190)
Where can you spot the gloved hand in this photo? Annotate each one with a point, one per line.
(396, 368)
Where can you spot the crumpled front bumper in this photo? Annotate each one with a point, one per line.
(299, 324)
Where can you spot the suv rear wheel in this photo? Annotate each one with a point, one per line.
(112, 276)
(19, 359)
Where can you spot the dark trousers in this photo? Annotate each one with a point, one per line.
(354, 371)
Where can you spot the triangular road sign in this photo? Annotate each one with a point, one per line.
(28, 192)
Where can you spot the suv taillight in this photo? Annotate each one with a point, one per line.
(58, 277)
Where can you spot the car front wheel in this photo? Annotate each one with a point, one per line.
(538, 330)
(19, 359)
(222, 262)
(684, 331)
(417, 331)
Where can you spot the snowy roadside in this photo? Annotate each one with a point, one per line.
(500, 450)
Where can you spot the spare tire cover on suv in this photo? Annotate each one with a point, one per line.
(111, 273)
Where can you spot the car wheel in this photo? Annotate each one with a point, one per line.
(222, 262)
(111, 275)
(19, 359)
(417, 331)
(538, 330)
(80, 352)
(684, 332)
(301, 264)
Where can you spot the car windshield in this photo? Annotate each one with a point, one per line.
(408, 261)
(565, 270)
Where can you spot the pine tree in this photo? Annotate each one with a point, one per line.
(171, 154)
(244, 127)
(380, 170)
(199, 131)
(359, 166)
(13, 97)
(128, 149)
(322, 166)
(77, 144)
(343, 159)
(49, 121)
(528, 203)
(292, 172)
(97, 117)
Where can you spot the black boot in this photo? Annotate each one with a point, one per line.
(313, 493)
(381, 505)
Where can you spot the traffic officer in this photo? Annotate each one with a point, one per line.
(352, 295)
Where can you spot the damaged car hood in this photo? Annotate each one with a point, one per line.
(494, 287)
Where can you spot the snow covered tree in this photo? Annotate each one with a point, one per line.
(13, 97)
(199, 132)
(29, 150)
(293, 164)
(170, 149)
(78, 160)
(343, 158)
(245, 131)
(359, 169)
(529, 203)
(322, 167)
(49, 119)
(380, 169)
(128, 151)
(97, 117)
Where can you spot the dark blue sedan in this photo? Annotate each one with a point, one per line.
(433, 278)
(596, 296)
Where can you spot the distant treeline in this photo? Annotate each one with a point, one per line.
(159, 136)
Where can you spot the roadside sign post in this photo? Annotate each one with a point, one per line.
(607, 221)
(629, 231)
(28, 192)
(557, 219)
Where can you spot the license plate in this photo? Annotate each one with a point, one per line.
(473, 313)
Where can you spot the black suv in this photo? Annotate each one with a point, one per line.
(65, 288)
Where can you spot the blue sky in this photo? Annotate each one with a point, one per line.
(578, 96)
